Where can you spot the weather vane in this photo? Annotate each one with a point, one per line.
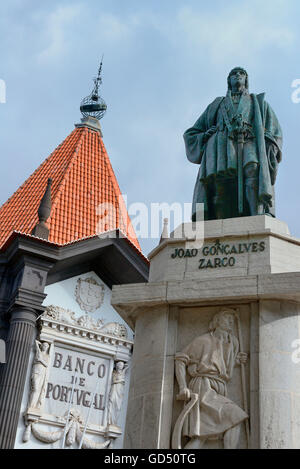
(93, 105)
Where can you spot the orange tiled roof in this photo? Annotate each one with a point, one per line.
(83, 179)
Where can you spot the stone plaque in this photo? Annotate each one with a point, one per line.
(77, 381)
(83, 376)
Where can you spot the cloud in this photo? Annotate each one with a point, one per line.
(68, 27)
(114, 28)
(56, 29)
(235, 31)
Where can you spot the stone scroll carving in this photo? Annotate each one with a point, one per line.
(69, 435)
(116, 393)
(203, 370)
(67, 316)
(89, 294)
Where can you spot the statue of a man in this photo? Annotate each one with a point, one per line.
(208, 364)
(237, 141)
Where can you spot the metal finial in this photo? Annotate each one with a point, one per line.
(93, 105)
(41, 230)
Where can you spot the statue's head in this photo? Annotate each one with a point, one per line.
(238, 75)
(119, 366)
(45, 346)
(223, 320)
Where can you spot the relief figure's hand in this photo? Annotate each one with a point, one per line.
(184, 395)
(242, 358)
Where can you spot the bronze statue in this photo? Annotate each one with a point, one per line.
(237, 141)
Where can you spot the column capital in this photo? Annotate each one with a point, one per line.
(26, 298)
(26, 314)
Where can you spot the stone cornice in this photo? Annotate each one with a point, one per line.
(229, 229)
(61, 325)
(228, 236)
(62, 330)
(129, 300)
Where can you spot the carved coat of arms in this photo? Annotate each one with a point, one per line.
(89, 294)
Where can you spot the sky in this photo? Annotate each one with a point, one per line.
(164, 62)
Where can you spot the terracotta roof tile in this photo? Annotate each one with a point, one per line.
(83, 179)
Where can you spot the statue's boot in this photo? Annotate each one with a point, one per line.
(222, 208)
(224, 201)
(251, 188)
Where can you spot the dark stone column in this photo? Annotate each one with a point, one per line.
(13, 373)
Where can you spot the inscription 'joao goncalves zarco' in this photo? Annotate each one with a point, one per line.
(224, 255)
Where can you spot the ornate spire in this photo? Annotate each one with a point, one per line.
(41, 230)
(165, 231)
(93, 105)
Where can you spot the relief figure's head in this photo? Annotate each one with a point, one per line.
(120, 366)
(223, 320)
(45, 346)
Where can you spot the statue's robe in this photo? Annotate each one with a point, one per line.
(116, 397)
(218, 154)
(209, 362)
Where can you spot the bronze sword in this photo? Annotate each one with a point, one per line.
(240, 173)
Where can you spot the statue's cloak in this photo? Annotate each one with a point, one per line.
(219, 151)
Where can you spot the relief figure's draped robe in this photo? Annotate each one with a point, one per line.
(38, 378)
(209, 362)
(116, 396)
(218, 154)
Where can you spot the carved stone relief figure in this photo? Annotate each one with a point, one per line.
(39, 375)
(116, 393)
(203, 370)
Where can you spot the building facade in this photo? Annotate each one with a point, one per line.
(65, 239)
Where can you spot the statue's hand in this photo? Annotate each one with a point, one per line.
(242, 358)
(184, 395)
(210, 131)
(266, 200)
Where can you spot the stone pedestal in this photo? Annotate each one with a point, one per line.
(250, 266)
